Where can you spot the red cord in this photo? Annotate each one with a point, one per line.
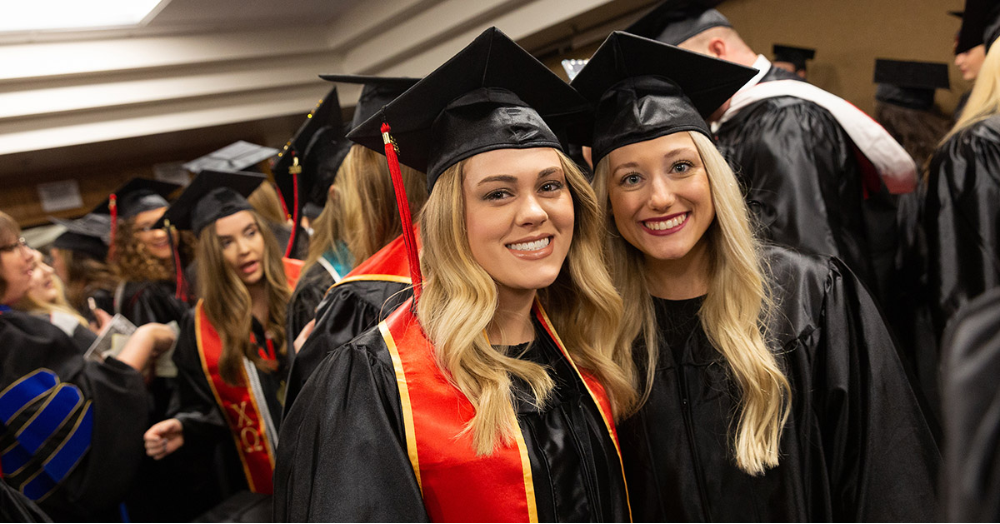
(182, 291)
(295, 218)
(404, 211)
(113, 208)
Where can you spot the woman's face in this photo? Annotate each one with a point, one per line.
(970, 62)
(519, 215)
(43, 289)
(156, 240)
(17, 261)
(59, 264)
(660, 196)
(242, 246)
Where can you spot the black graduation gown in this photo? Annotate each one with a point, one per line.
(962, 219)
(93, 490)
(970, 367)
(205, 426)
(308, 293)
(855, 447)
(343, 455)
(804, 182)
(349, 309)
(15, 507)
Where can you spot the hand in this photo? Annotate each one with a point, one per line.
(161, 337)
(303, 335)
(164, 438)
(101, 319)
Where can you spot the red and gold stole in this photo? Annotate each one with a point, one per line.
(456, 484)
(242, 406)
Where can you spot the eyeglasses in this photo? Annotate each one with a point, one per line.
(21, 243)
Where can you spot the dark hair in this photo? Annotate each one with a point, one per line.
(918, 131)
(9, 231)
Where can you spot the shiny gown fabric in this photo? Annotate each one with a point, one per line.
(970, 367)
(306, 297)
(345, 454)
(855, 448)
(95, 487)
(808, 189)
(961, 219)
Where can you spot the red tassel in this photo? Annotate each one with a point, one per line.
(404, 211)
(113, 208)
(182, 290)
(295, 218)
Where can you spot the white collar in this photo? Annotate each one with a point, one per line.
(762, 65)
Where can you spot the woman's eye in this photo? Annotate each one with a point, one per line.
(631, 179)
(682, 167)
(251, 233)
(225, 243)
(497, 195)
(552, 186)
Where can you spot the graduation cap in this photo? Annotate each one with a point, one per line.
(90, 235)
(642, 89)
(377, 92)
(970, 34)
(991, 31)
(135, 196)
(675, 21)
(210, 196)
(237, 156)
(308, 163)
(491, 95)
(909, 84)
(796, 56)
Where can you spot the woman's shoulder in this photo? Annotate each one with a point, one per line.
(799, 285)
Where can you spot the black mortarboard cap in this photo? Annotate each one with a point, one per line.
(210, 196)
(377, 92)
(136, 196)
(90, 235)
(970, 34)
(320, 145)
(909, 84)
(491, 95)
(796, 56)
(991, 29)
(675, 21)
(237, 156)
(642, 89)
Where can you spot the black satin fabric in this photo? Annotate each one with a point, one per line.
(855, 447)
(962, 219)
(206, 429)
(149, 301)
(94, 489)
(970, 366)
(345, 312)
(308, 293)
(15, 507)
(801, 175)
(343, 453)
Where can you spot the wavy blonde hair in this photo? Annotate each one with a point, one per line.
(460, 298)
(984, 101)
(361, 209)
(29, 304)
(734, 316)
(228, 305)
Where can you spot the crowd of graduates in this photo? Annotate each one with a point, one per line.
(686, 285)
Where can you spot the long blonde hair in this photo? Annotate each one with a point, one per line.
(29, 304)
(228, 305)
(460, 298)
(734, 316)
(361, 209)
(984, 101)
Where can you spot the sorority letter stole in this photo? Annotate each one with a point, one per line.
(244, 407)
(456, 484)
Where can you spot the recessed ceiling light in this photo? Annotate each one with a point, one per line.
(61, 15)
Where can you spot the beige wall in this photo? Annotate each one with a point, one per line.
(850, 34)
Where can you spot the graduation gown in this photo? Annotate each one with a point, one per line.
(961, 219)
(855, 447)
(359, 447)
(89, 425)
(359, 301)
(310, 290)
(970, 366)
(145, 302)
(807, 185)
(207, 425)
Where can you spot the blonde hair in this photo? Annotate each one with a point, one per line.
(361, 209)
(984, 101)
(460, 299)
(267, 204)
(228, 304)
(734, 316)
(29, 304)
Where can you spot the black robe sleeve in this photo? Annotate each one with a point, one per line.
(305, 299)
(342, 455)
(962, 219)
(146, 302)
(970, 367)
(199, 412)
(100, 480)
(348, 310)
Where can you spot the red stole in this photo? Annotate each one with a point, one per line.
(240, 408)
(293, 270)
(456, 484)
(387, 264)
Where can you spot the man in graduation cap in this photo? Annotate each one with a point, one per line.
(818, 172)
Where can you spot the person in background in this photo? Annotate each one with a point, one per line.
(231, 354)
(487, 416)
(818, 172)
(772, 388)
(71, 426)
(793, 59)
(970, 52)
(45, 299)
(79, 257)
